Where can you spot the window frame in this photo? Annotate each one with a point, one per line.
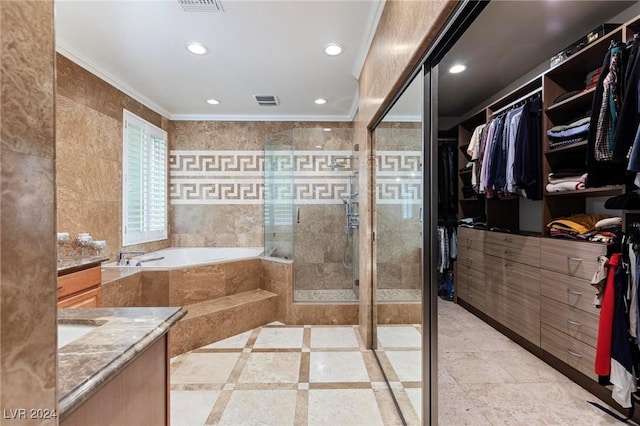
(150, 133)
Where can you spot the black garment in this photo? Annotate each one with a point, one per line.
(527, 168)
(600, 173)
(447, 180)
(629, 117)
(497, 169)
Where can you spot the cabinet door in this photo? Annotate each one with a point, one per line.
(85, 299)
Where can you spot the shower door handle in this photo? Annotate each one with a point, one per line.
(298, 215)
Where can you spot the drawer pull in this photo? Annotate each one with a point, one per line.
(469, 241)
(59, 288)
(577, 293)
(574, 323)
(508, 252)
(469, 260)
(508, 240)
(574, 259)
(577, 355)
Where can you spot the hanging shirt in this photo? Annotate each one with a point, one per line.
(609, 108)
(605, 322)
(513, 120)
(474, 150)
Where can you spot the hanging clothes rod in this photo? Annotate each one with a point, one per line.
(507, 107)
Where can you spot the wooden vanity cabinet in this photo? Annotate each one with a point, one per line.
(80, 289)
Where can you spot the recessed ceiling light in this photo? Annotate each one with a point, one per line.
(458, 68)
(333, 49)
(320, 101)
(213, 101)
(197, 48)
(326, 129)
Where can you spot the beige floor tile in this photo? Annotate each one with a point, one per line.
(191, 408)
(205, 368)
(279, 338)
(399, 337)
(406, 364)
(348, 407)
(271, 367)
(253, 407)
(237, 341)
(333, 337)
(329, 367)
(473, 367)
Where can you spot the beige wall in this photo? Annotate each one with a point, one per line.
(405, 31)
(226, 208)
(89, 155)
(27, 209)
(398, 225)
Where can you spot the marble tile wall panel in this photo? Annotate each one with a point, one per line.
(277, 277)
(123, 292)
(217, 226)
(318, 314)
(89, 155)
(405, 30)
(399, 313)
(155, 287)
(27, 209)
(207, 282)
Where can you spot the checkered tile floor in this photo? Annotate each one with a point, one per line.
(322, 375)
(281, 375)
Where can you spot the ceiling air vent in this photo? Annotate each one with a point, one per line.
(266, 100)
(201, 5)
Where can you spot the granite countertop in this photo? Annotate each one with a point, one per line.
(73, 264)
(85, 364)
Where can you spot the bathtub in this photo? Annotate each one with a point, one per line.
(185, 257)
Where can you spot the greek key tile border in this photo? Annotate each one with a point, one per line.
(237, 177)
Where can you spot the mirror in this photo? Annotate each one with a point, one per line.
(398, 253)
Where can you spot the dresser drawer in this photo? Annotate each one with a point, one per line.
(78, 281)
(472, 239)
(471, 259)
(574, 258)
(522, 317)
(511, 279)
(572, 351)
(571, 321)
(513, 247)
(571, 291)
(470, 287)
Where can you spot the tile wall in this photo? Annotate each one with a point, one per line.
(217, 192)
(89, 155)
(405, 30)
(27, 214)
(398, 205)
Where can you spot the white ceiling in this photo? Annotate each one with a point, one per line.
(274, 47)
(255, 48)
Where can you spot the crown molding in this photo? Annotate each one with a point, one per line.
(367, 39)
(241, 117)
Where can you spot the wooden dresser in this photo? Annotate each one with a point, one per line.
(538, 288)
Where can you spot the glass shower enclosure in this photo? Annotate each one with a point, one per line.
(311, 210)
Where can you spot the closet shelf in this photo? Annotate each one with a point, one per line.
(582, 99)
(589, 192)
(578, 145)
